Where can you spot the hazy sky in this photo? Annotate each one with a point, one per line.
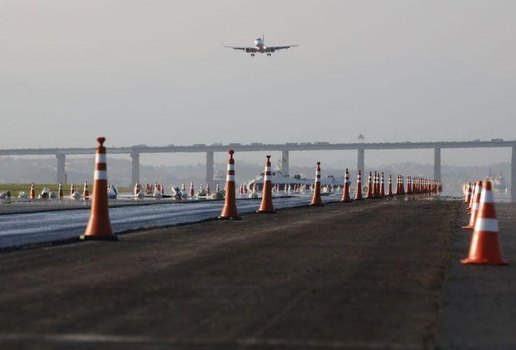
(156, 73)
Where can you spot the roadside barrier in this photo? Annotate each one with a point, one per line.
(266, 205)
(316, 198)
(485, 243)
(99, 225)
(229, 211)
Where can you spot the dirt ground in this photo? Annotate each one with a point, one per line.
(365, 275)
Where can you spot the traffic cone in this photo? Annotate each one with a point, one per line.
(99, 225)
(485, 244)
(191, 193)
(389, 186)
(137, 188)
(229, 211)
(217, 188)
(32, 192)
(72, 189)
(358, 194)
(266, 205)
(347, 183)
(475, 205)
(369, 194)
(409, 185)
(208, 192)
(316, 198)
(382, 186)
(85, 191)
(60, 194)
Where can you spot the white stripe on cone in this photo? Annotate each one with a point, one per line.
(100, 175)
(486, 225)
(100, 158)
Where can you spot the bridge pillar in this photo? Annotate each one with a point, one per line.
(135, 171)
(513, 175)
(61, 174)
(210, 165)
(361, 160)
(285, 166)
(437, 164)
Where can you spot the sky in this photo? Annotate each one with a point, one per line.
(156, 73)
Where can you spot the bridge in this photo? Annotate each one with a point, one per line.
(136, 151)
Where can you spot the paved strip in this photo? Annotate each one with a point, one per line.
(362, 275)
(479, 302)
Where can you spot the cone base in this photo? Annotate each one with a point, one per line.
(266, 211)
(316, 205)
(98, 238)
(469, 261)
(346, 201)
(229, 218)
(468, 227)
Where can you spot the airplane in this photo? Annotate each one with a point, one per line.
(259, 46)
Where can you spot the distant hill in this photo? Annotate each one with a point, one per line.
(43, 170)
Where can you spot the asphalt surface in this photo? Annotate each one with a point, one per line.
(479, 302)
(347, 276)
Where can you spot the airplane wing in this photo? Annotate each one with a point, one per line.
(246, 49)
(277, 48)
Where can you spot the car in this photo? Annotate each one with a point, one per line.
(305, 143)
(256, 144)
(292, 143)
(216, 144)
(235, 144)
(199, 145)
(496, 140)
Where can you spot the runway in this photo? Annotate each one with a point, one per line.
(55, 225)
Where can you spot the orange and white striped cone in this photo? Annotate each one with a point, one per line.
(375, 185)
(470, 203)
(389, 187)
(358, 194)
(369, 193)
(382, 186)
(32, 192)
(409, 186)
(475, 206)
(191, 193)
(85, 191)
(72, 189)
(137, 188)
(316, 198)
(485, 246)
(60, 193)
(229, 211)
(266, 204)
(345, 194)
(99, 225)
(402, 184)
